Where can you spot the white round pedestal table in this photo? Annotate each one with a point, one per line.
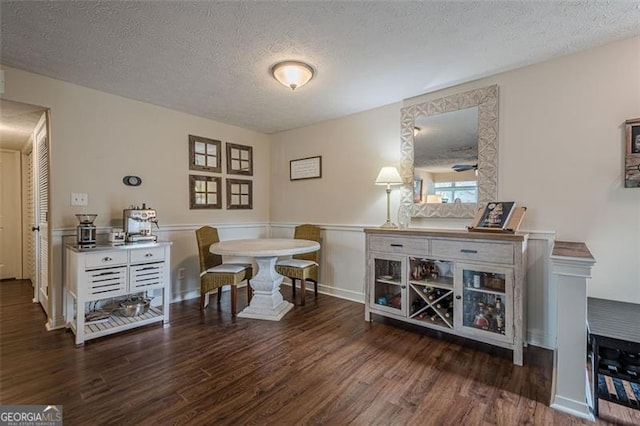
(267, 302)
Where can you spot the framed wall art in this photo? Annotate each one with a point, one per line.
(205, 192)
(305, 168)
(632, 154)
(239, 159)
(205, 154)
(239, 194)
(417, 190)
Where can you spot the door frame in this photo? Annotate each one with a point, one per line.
(12, 158)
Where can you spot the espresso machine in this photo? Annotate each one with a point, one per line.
(86, 230)
(137, 224)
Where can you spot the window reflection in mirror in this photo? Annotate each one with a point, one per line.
(446, 156)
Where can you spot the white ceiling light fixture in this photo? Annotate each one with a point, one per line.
(292, 74)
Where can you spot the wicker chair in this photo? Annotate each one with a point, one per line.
(304, 266)
(214, 274)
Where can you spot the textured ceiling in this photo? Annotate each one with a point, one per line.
(212, 59)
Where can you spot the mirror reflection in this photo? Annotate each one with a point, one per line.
(446, 157)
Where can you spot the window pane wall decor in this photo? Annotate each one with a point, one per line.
(239, 159)
(239, 194)
(205, 154)
(205, 192)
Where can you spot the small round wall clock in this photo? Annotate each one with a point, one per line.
(132, 180)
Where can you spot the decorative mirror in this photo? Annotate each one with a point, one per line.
(450, 146)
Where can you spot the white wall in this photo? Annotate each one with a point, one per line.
(353, 150)
(97, 138)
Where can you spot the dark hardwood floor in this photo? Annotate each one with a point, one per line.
(322, 364)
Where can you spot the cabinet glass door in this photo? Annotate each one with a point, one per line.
(431, 291)
(388, 291)
(487, 301)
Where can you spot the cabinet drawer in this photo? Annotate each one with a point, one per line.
(473, 251)
(109, 282)
(418, 246)
(154, 254)
(144, 277)
(102, 259)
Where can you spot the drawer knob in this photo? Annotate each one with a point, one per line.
(396, 245)
(468, 251)
(107, 259)
(148, 255)
(458, 297)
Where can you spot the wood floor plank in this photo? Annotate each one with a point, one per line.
(322, 364)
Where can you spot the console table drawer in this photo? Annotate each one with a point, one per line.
(105, 259)
(473, 251)
(399, 245)
(154, 254)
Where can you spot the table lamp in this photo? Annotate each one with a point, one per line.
(389, 176)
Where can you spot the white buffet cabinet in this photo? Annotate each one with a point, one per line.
(470, 284)
(103, 275)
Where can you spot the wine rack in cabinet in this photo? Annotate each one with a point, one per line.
(468, 284)
(431, 291)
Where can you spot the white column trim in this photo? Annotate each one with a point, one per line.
(570, 386)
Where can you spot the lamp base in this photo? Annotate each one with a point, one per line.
(389, 224)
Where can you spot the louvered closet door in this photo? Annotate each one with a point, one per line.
(42, 216)
(30, 240)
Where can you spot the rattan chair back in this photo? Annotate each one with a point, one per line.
(307, 232)
(207, 236)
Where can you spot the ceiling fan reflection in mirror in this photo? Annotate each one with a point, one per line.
(464, 167)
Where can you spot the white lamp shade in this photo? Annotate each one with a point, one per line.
(388, 176)
(292, 74)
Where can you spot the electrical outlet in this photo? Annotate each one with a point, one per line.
(78, 199)
(181, 274)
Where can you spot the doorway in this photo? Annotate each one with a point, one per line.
(24, 195)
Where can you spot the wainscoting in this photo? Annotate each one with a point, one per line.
(342, 268)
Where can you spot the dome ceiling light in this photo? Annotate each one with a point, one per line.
(292, 74)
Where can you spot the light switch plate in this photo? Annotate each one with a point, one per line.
(79, 199)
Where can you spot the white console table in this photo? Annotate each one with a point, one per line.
(108, 273)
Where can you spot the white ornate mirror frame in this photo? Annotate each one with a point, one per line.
(486, 99)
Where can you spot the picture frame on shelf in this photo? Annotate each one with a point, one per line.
(498, 216)
(633, 136)
(632, 154)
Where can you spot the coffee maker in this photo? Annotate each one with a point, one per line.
(86, 230)
(137, 224)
